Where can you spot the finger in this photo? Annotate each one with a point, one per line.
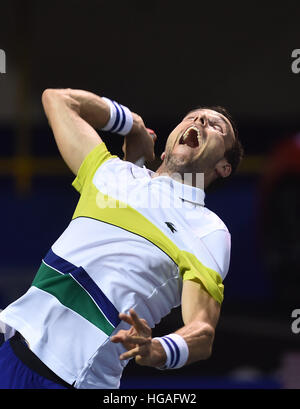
(120, 336)
(154, 136)
(137, 323)
(141, 351)
(152, 133)
(129, 354)
(144, 321)
(135, 339)
(130, 339)
(117, 338)
(126, 318)
(133, 319)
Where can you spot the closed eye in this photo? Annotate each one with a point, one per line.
(215, 125)
(218, 127)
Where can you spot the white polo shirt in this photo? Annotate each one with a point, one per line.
(132, 240)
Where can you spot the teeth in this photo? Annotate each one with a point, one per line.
(185, 135)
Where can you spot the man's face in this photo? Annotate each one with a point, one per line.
(199, 141)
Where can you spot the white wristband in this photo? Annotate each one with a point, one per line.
(176, 350)
(121, 119)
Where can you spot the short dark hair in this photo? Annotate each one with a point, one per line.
(235, 154)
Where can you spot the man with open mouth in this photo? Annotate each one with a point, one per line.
(205, 141)
(129, 254)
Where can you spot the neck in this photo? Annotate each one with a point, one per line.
(195, 179)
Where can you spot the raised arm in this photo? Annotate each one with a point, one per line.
(75, 114)
(200, 314)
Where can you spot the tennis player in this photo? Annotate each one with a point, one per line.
(139, 244)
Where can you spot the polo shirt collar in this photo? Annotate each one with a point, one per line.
(186, 192)
(189, 193)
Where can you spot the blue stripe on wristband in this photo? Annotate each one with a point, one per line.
(123, 119)
(176, 350)
(117, 117)
(171, 350)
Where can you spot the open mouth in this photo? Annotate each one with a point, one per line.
(190, 137)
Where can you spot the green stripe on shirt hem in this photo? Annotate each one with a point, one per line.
(71, 295)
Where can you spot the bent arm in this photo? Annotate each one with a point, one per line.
(200, 314)
(73, 115)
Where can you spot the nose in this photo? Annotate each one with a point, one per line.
(201, 118)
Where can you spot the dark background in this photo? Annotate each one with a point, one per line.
(161, 58)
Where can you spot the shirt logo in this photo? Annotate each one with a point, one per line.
(171, 226)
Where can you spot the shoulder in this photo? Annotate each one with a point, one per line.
(218, 242)
(216, 238)
(100, 164)
(122, 169)
(206, 222)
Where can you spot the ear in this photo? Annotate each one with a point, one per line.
(162, 156)
(223, 168)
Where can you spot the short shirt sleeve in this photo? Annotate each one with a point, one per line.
(211, 264)
(91, 163)
(218, 244)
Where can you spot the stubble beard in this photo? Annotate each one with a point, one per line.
(174, 164)
(182, 171)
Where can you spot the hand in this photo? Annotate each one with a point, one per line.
(139, 142)
(138, 342)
